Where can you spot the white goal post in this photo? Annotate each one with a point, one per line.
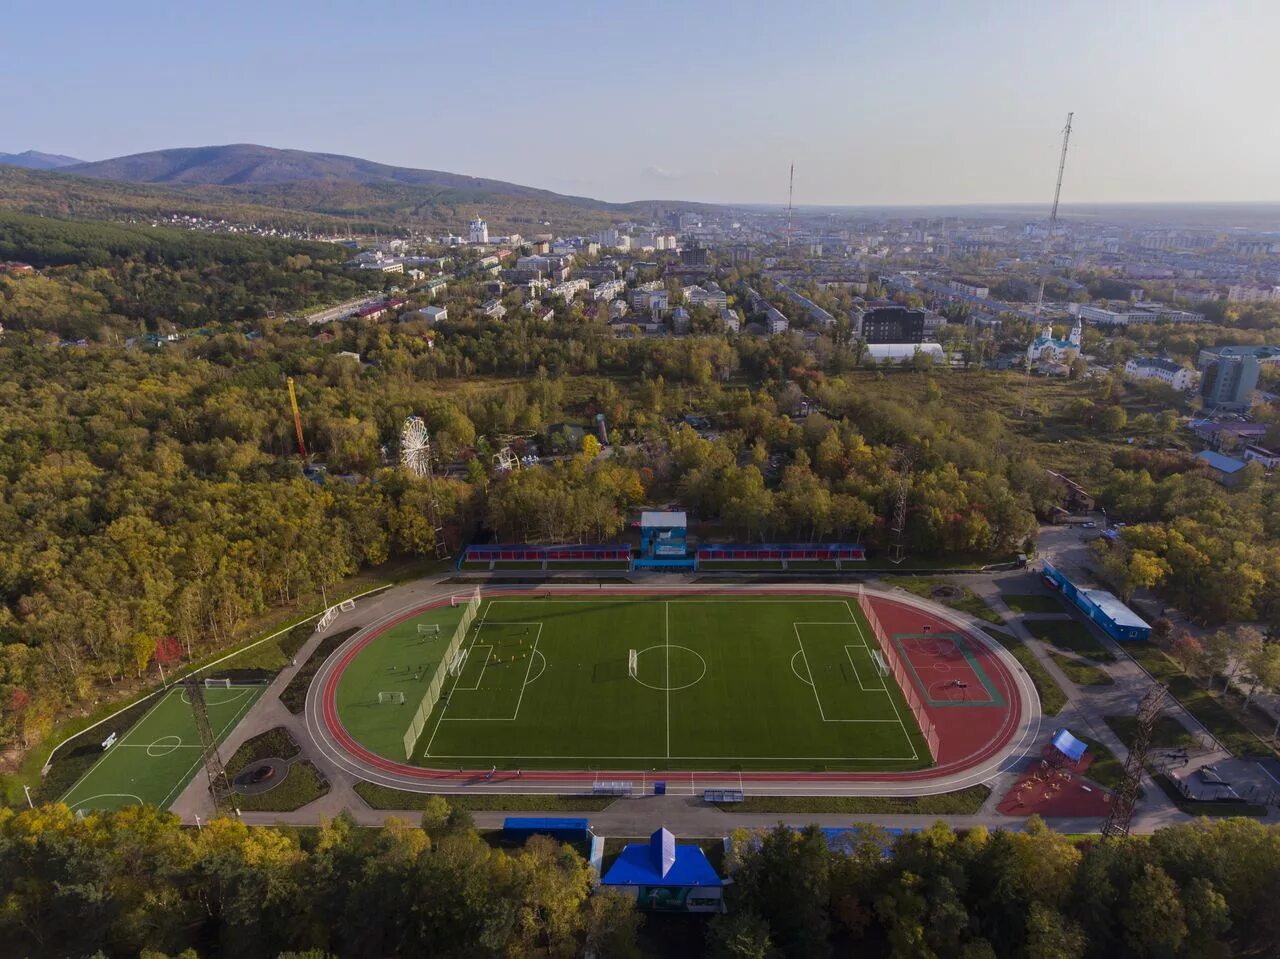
(347, 605)
(222, 683)
(459, 661)
(428, 629)
(881, 666)
(633, 663)
(397, 698)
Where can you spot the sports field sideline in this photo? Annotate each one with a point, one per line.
(155, 759)
(748, 683)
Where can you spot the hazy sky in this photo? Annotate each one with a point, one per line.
(893, 101)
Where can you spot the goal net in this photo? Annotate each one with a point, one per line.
(428, 629)
(459, 661)
(633, 663)
(219, 683)
(396, 698)
(881, 666)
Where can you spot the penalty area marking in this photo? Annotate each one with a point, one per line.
(538, 675)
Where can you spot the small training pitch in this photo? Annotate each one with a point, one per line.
(626, 682)
(155, 759)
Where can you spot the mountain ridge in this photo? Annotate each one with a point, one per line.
(252, 165)
(36, 160)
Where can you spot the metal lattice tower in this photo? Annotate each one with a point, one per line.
(898, 548)
(1048, 241)
(1126, 796)
(791, 191)
(219, 785)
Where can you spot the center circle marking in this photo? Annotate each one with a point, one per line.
(671, 689)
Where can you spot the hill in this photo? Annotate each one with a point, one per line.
(249, 165)
(35, 160)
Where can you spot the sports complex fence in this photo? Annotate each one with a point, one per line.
(432, 695)
(894, 659)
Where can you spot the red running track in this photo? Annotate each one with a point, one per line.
(968, 735)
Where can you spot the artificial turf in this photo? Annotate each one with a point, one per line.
(154, 760)
(721, 683)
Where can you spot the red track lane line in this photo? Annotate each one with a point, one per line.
(333, 723)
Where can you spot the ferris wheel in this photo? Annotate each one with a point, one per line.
(415, 447)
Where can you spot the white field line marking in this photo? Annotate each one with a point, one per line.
(489, 757)
(101, 759)
(488, 651)
(809, 670)
(537, 636)
(865, 688)
(218, 737)
(452, 689)
(905, 731)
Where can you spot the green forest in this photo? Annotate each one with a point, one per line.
(137, 883)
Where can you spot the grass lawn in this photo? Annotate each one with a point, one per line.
(383, 797)
(1167, 733)
(1033, 603)
(274, 743)
(733, 683)
(1072, 637)
(401, 660)
(1052, 698)
(966, 600)
(965, 802)
(301, 785)
(155, 759)
(1207, 707)
(1081, 673)
(294, 694)
(1106, 769)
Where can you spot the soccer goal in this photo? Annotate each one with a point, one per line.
(881, 666)
(219, 683)
(633, 663)
(396, 698)
(428, 629)
(459, 661)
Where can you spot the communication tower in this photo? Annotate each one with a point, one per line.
(219, 785)
(1126, 796)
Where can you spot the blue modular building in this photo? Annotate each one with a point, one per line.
(520, 828)
(664, 541)
(667, 876)
(1114, 618)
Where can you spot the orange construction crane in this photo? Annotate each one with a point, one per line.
(297, 420)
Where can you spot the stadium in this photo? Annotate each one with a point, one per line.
(635, 690)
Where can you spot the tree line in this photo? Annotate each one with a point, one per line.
(134, 882)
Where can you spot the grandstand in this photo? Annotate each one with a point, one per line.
(780, 555)
(519, 556)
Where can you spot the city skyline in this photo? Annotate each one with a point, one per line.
(921, 105)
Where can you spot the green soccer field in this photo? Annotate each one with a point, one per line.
(751, 683)
(155, 759)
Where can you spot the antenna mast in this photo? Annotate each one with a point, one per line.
(297, 419)
(791, 191)
(1048, 241)
(1053, 212)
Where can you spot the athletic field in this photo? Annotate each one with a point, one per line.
(732, 683)
(155, 759)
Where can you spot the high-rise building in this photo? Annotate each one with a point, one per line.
(892, 324)
(1229, 380)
